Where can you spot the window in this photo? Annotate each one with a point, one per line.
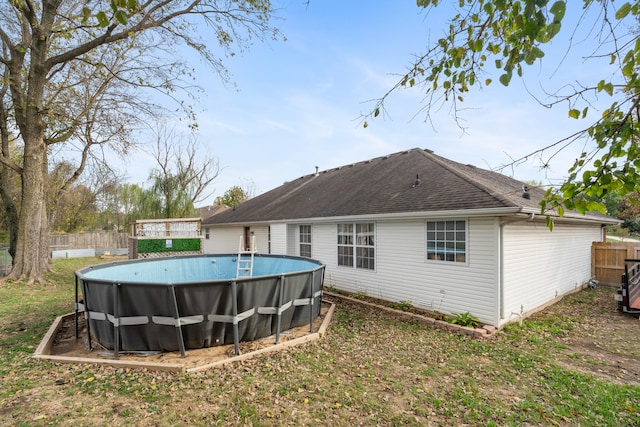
(345, 245)
(358, 240)
(305, 241)
(206, 233)
(447, 241)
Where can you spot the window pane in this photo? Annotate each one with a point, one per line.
(364, 234)
(305, 240)
(345, 256)
(345, 234)
(364, 258)
(446, 241)
(359, 240)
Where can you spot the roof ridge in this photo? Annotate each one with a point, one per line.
(470, 178)
(364, 162)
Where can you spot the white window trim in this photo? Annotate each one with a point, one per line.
(355, 246)
(301, 243)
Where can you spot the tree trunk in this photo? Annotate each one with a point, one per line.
(32, 249)
(10, 210)
(7, 184)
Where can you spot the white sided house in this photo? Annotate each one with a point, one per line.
(415, 227)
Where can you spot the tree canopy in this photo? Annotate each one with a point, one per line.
(485, 39)
(79, 75)
(233, 197)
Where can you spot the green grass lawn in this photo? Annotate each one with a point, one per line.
(371, 368)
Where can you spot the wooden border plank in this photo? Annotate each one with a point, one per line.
(43, 352)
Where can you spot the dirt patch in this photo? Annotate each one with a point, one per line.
(600, 340)
(65, 344)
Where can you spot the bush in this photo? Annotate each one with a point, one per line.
(464, 319)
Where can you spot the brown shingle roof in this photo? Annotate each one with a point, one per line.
(211, 210)
(384, 185)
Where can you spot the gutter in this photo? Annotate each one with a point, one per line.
(459, 213)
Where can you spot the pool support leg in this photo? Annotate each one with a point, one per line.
(87, 315)
(313, 276)
(76, 310)
(279, 312)
(234, 308)
(183, 352)
(116, 323)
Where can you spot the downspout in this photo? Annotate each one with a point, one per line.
(529, 218)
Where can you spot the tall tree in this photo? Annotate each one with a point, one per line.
(9, 172)
(182, 176)
(48, 46)
(232, 197)
(484, 38)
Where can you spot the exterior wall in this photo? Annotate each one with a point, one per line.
(293, 239)
(541, 265)
(537, 265)
(404, 274)
(279, 239)
(222, 240)
(262, 238)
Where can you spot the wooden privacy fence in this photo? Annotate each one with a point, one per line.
(103, 240)
(607, 260)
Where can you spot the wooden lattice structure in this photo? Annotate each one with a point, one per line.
(155, 238)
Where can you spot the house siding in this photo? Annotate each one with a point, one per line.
(262, 238)
(223, 240)
(292, 240)
(279, 239)
(541, 265)
(537, 265)
(404, 274)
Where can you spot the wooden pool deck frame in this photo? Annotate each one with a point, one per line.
(45, 349)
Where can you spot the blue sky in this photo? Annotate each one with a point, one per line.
(296, 104)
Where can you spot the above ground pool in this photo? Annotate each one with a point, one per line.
(189, 302)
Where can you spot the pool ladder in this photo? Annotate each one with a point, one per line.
(245, 258)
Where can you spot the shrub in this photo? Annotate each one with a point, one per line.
(464, 319)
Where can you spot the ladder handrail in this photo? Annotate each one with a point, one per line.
(242, 263)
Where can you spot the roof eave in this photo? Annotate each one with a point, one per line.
(460, 213)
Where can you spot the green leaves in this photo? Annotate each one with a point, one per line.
(505, 79)
(511, 35)
(103, 21)
(623, 11)
(558, 10)
(606, 87)
(122, 10)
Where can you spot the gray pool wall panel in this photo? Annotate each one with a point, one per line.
(143, 316)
